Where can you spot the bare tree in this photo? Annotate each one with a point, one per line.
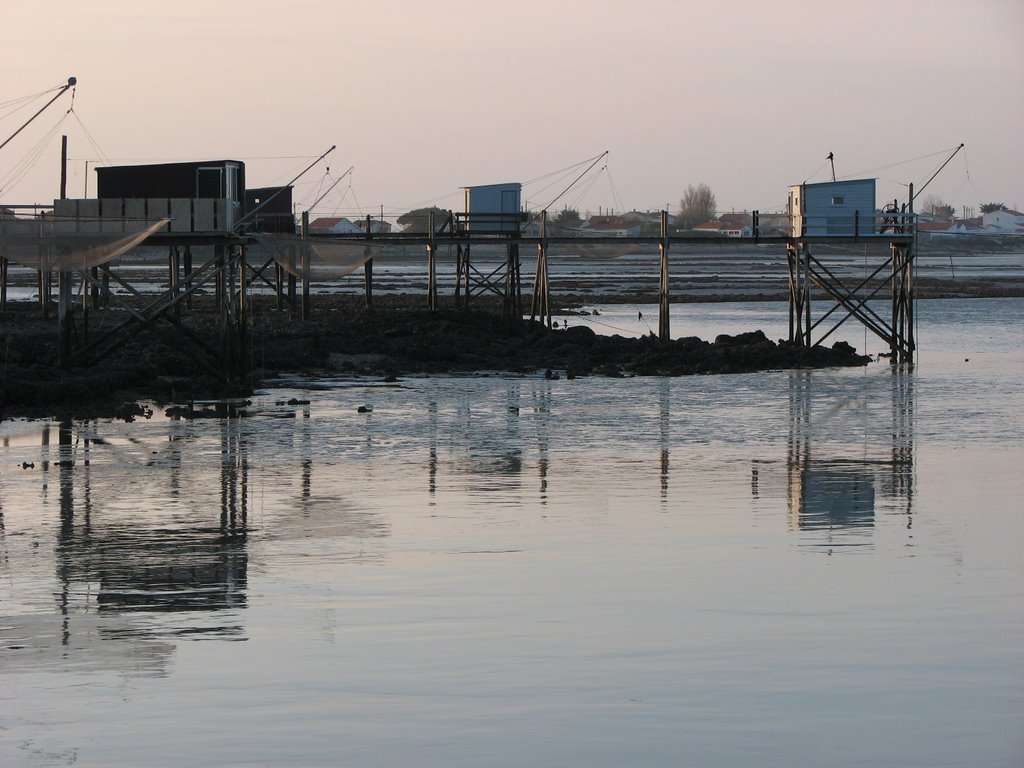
(697, 205)
(936, 206)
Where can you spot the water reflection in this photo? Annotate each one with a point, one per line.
(492, 447)
(664, 420)
(832, 491)
(153, 562)
(126, 554)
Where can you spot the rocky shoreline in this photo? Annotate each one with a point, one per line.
(398, 338)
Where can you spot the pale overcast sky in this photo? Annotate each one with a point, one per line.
(423, 98)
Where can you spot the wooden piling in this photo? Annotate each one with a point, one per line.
(65, 318)
(540, 304)
(368, 268)
(305, 267)
(664, 331)
(431, 264)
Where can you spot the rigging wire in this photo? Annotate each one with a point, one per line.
(819, 169)
(28, 162)
(899, 163)
(596, 160)
(615, 191)
(23, 101)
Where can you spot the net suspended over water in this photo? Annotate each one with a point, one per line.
(317, 259)
(67, 245)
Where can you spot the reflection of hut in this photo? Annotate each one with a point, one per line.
(833, 498)
(40, 642)
(158, 570)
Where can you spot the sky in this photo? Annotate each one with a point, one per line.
(422, 99)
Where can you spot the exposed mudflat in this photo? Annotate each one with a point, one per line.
(165, 364)
(398, 337)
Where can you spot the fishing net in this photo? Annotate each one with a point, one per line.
(66, 245)
(314, 259)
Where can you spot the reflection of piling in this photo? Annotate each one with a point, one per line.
(432, 459)
(664, 421)
(899, 482)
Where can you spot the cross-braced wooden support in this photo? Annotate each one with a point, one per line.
(851, 298)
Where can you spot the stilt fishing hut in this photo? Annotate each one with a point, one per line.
(844, 212)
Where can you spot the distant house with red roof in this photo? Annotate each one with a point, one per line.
(377, 226)
(733, 226)
(334, 226)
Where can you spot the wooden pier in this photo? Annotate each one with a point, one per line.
(232, 271)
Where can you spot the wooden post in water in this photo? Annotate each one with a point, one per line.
(539, 304)
(664, 332)
(798, 255)
(65, 308)
(901, 343)
(368, 267)
(431, 264)
(65, 317)
(3, 285)
(459, 257)
(222, 308)
(279, 285)
(86, 290)
(909, 278)
(305, 266)
(805, 262)
(242, 319)
(188, 276)
(512, 303)
(173, 269)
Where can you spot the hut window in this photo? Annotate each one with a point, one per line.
(837, 200)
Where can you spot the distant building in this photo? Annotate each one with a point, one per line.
(331, 225)
(377, 226)
(1004, 221)
(730, 228)
(613, 226)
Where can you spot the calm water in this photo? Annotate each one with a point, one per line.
(789, 568)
